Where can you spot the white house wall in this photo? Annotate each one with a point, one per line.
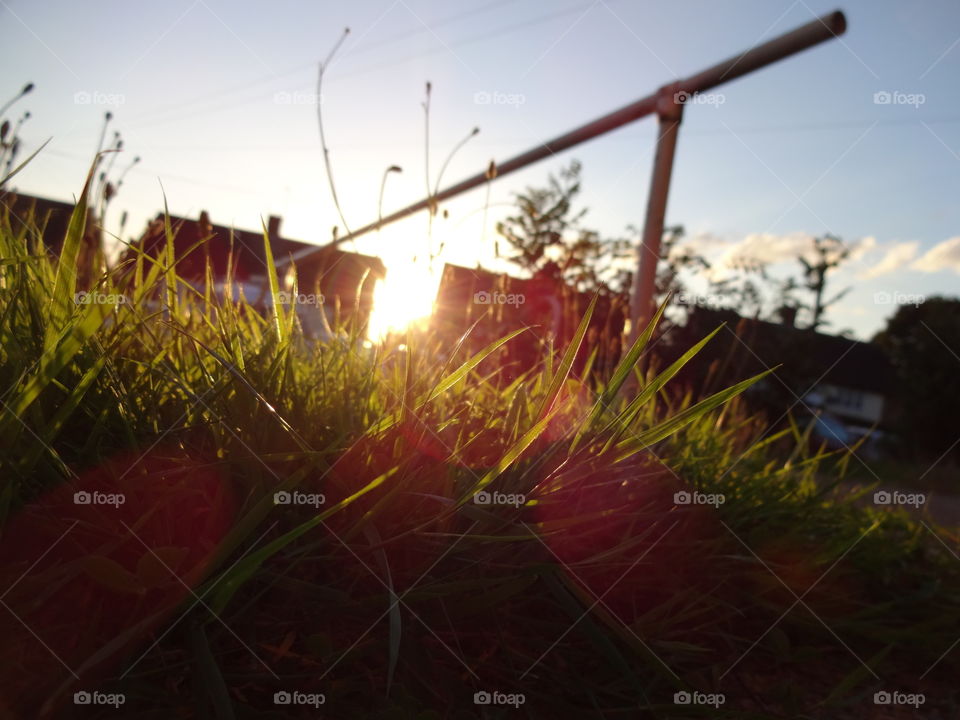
(856, 404)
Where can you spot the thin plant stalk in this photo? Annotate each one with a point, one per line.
(323, 139)
(7, 105)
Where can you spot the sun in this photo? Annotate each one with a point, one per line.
(403, 297)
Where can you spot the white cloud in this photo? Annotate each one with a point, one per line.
(703, 243)
(942, 256)
(867, 256)
(895, 258)
(763, 249)
(766, 249)
(862, 247)
(852, 310)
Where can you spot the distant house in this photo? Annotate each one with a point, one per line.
(45, 219)
(44, 223)
(845, 378)
(492, 305)
(341, 281)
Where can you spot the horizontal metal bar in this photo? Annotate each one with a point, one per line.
(823, 28)
(814, 32)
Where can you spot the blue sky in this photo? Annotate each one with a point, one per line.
(218, 100)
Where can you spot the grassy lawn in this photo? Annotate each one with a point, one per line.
(206, 514)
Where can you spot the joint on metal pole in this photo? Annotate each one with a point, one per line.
(670, 101)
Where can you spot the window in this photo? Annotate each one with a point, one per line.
(844, 397)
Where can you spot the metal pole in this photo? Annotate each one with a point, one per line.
(814, 32)
(669, 116)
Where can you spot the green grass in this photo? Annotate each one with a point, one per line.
(399, 596)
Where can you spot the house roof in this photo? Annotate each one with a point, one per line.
(342, 278)
(490, 305)
(830, 359)
(49, 216)
(248, 253)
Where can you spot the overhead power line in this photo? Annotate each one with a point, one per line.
(173, 114)
(364, 49)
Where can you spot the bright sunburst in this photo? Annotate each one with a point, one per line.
(403, 297)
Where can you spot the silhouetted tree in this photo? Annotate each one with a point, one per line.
(923, 344)
(829, 252)
(752, 291)
(546, 237)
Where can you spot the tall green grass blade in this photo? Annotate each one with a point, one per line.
(461, 372)
(65, 285)
(859, 675)
(64, 349)
(645, 439)
(170, 263)
(277, 310)
(67, 407)
(240, 573)
(395, 623)
(211, 679)
(26, 162)
(508, 458)
(566, 363)
(630, 360)
(629, 414)
(620, 375)
(561, 589)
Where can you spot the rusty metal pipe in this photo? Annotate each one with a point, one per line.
(669, 116)
(817, 31)
(814, 32)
